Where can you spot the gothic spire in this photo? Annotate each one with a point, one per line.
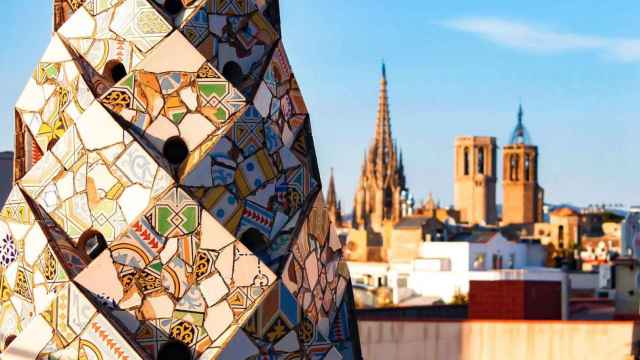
(331, 193)
(402, 179)
(378, 196)
(384, 71)
(333, 205)
(382, 149)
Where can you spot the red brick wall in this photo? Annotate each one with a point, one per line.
(522, 300)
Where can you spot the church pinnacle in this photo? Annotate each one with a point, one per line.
(520, 135)
(378, 196)
(333, 205)
(382, 152)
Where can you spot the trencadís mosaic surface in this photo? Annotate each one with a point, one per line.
(167, 202)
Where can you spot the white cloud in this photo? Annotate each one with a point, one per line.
(538, 39)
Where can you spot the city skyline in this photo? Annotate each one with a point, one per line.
(460, 71)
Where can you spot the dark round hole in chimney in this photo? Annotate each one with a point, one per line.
(174, 350)
(254, 240)
(115, 71)
(233, 72)
(175, 150)
(173, 7)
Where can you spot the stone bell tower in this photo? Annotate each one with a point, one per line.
(523, 197)
(475, 179)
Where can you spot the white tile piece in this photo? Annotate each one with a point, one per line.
(31, 341)
(189, 97)
(98, 129)
(174, 53)
(159, 131)
(262, 101)
(133, 201)
(65, 186)
(219, 318)
(35, 242)
(214, 235)
(101, 278)
(31, 99)
(170, 249)
(56, 52)
(213, 289)
(194, 128)
(42, 298)
(79, 25)
(224, 263)
(11, 272)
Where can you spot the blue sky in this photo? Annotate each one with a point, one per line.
(454, 68)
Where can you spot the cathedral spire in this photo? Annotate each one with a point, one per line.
(379, 194)
(331, 192)
(402, 180)
(383, 150)
(333, 205)
(384, 71)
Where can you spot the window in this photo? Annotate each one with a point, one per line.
(481, 160)
(174, 350)
(92, 243)
(496, 261)
(368, 280)
(175, 150)
(515, 164)
(527, 167)
(478, 262)
(561, 235)
(466, 161)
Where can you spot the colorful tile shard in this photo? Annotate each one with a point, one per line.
(167, 200)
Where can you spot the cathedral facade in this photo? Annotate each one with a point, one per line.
(381, 191)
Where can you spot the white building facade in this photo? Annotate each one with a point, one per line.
(446, 268)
